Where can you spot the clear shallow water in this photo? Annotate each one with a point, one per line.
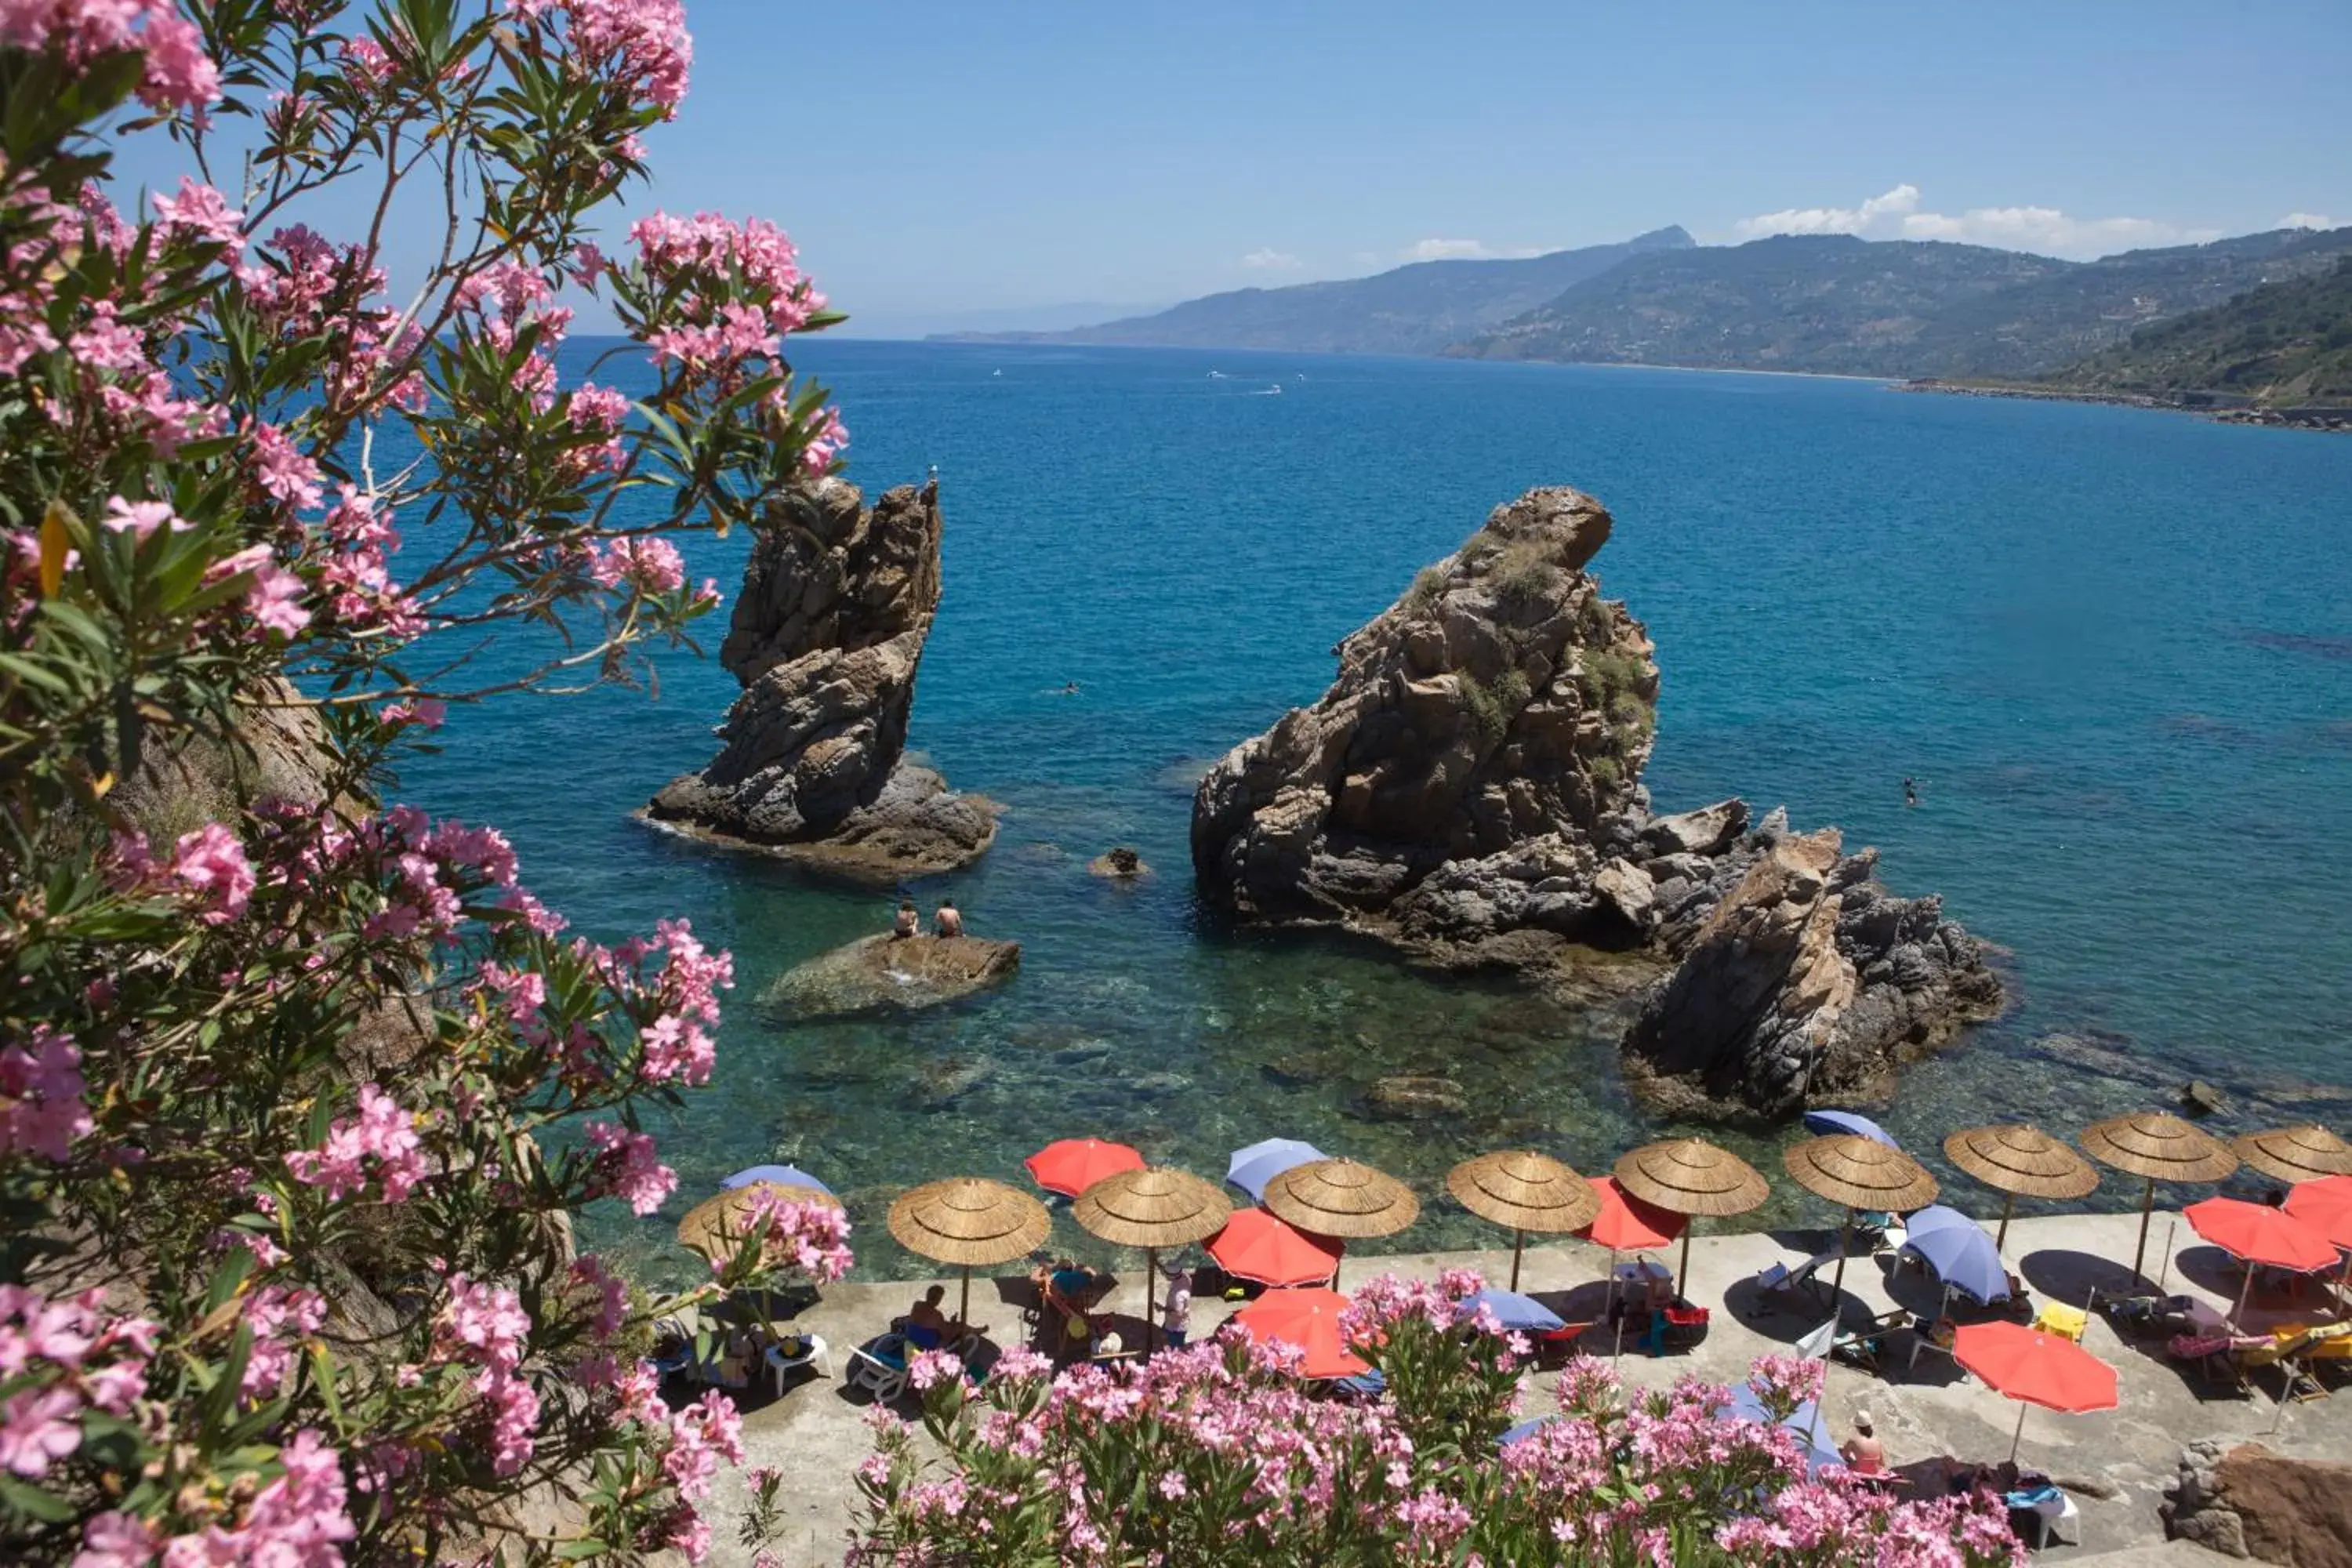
(2115, 648)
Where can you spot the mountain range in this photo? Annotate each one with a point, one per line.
(1416, 310)
(1823, 303)
(2283, 345)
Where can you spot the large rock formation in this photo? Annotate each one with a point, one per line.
(1469, 789)
(827, 634)
(2249, 1501)
(879, 973)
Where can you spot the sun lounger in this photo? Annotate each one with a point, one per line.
(881, 1365)
(2066, 1322)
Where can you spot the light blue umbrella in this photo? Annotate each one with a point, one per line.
(1804, 1423)
(1515, 1311)
(782, 1176)
(1936, 1216)
(1828, 1121)
(1252, 1168)
(1964, 1259)
(1524, 1429)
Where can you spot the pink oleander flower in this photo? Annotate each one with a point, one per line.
(648, 566)
(42, 1109)
(38, 1428)
(143, 518)
(116, 1540)
(281, 468)
(383, 1132)
(626, 1169)
(279, 1318)
(483, 1323)
(201, 213)
(211, 863)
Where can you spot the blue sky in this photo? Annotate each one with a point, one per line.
(937, 160)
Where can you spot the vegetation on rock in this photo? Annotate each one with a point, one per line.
(2283, 345)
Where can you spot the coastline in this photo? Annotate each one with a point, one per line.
(2326, 420)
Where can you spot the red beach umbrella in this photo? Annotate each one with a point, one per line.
(1310, 1321)
(1626, 1224)
(2035, 1368)
(1074, 1165)
(2325, 1205)
(1256, 1245)
(2257, 1233)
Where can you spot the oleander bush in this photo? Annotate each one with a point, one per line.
(298, 1088)
(1217, 1455)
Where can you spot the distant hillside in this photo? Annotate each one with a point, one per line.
(2282, 346)
(1835, 303)
(1415, 309)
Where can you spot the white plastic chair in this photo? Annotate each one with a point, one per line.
(880, 1365)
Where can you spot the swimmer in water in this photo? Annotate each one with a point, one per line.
(1069, 689)
(1910, 793)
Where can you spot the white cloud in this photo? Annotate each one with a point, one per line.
(1902, 199)
(1896, 214)
(2314, 220)
(1268, 258)
(1444, 250)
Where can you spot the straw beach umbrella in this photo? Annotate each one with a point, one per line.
(2295, 1153)
(1858, 1172)
(1152, 1208)
(970, 1222)
(2021, 1162)
(1341, 1198)
(2160, 1147)
(1526, 1191)
(716, 1227)
(1693, 1177)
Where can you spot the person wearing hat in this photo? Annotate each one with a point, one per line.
(1862, 1454)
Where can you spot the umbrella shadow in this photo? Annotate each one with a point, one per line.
(1789, 1315)
(2211, 1269)
(1585, 1303)
(2072, 1277)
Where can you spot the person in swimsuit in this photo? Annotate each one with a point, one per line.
(1862, 1454)
(908, 923)
(948, 922)
(1910, 793)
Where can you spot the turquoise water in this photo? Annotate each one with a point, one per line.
(2114, 648)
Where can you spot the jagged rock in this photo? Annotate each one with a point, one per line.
(1406, 1098)
(2199, 1097)
(2250, 1502)
(1469, 790)
(1706, 831)
(1120, 864)
(878, 973)
(827, 635)
(1499, 701)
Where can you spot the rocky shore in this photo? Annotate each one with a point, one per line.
(2217, 407)
(1469, 791)
(828, 636)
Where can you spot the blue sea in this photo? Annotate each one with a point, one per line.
(2114, 648)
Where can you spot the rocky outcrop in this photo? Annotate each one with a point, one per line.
(887, 973)
(1806, 981)
(2249, 1501)
(827, 635)
(1469, 789)
(1484, 734)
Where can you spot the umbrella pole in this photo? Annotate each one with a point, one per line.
(2146, 1207)
(2008, 1207)
(963, 1309)
(2018, 1436)
(1682, 1287)
(1518, 1245)
(1837, 1280)
(1150, 1288)
(2244, 1291)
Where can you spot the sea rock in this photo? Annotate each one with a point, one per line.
(2199, 1097)
(1469, 790)
(1120, 864)
(884, 973)
(1410, 1098)
(827, 635)
(2250, 1502)
(1484, 732)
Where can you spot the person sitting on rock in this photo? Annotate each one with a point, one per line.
(948, 922)
(910, 923)
(1862, 1452)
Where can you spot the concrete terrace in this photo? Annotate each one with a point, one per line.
(2116, 1464)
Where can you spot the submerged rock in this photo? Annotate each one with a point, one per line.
(1120, 864)
(1410, 1098)
(1469, 790)
(882, 972)
(827, 635)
